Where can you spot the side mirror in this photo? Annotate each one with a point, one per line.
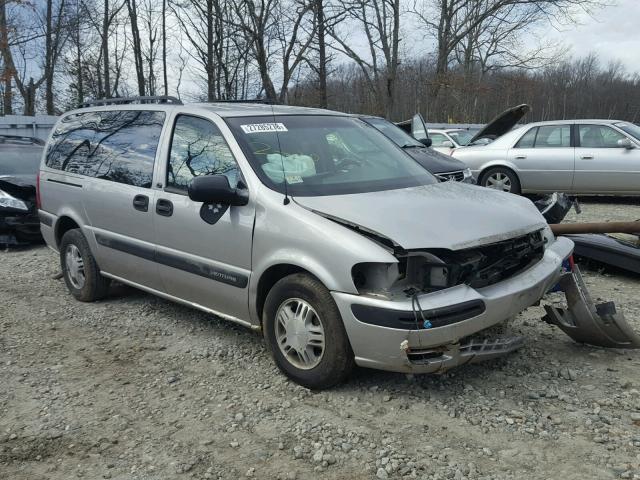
(625, 143)
(447, 143)
(425, 141)
(216, 189)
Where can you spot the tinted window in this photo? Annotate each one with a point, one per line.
(119, 146)
(528, 139)
(437, 139)
(553, 136)
(198, 148)
(599, 136)
(395, 133)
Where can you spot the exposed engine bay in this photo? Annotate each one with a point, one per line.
(436, 269)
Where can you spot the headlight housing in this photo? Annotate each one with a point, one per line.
(9, 201)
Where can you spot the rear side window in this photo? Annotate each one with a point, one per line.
(198, 148)
(553, 136)
(119, 146)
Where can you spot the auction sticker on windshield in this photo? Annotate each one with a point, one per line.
(263, 127)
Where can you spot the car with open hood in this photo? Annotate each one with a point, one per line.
(444, 167)
(579, 157)
(19, 162)
(308, 225)
(447, 139)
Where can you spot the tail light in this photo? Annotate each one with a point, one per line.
(38, 203)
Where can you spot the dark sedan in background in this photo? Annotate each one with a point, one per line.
(444, 167)
(19, 163)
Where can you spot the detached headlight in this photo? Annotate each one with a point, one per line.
(8, 201)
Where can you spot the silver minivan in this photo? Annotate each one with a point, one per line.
(308, 225)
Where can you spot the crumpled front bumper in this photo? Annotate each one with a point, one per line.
(451, 315)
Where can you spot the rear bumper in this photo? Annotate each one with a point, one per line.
(453, 314)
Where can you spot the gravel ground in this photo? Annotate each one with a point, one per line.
(135, 387)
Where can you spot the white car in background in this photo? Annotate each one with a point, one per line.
(447, 140)
(586, 157)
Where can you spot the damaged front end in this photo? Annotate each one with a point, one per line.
(19, 222)
(427, 271)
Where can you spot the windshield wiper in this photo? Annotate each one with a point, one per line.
(412, 145)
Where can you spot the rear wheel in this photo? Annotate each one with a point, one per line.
(501, 178)
(305, 334)
(79, 268)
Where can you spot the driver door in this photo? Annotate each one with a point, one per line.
(203, 251)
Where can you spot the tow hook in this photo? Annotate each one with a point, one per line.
(584, 321)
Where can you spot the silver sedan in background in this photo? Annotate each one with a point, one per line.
(586, 157)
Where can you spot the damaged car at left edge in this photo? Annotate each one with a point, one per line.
(19, 161)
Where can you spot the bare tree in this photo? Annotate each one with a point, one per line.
(380, 21)
(276, 29)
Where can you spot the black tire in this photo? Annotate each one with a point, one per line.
(336, 361)
(95, 286)
(510, 174)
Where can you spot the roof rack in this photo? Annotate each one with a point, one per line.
(265, 101)
(129, 100)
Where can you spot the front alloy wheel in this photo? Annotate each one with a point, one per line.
(300, 333)
(304, 332)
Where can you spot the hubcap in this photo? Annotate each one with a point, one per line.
(75, 266)
(299, 333)
(499, 181)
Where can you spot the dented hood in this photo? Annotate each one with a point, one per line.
(444, 215)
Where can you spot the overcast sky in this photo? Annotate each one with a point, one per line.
(613, 33)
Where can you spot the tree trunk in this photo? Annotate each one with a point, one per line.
(322, 52)
(137, 45)
(164, 47)
(29, 96)
(209, 67)
(48, 63)
(105, 51)
(7, 100)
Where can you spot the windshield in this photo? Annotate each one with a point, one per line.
(462, 137)
(20, 160)
(394, 133)
(630, 128)
(324, 155)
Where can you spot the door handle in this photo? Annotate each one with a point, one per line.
(586, 157)
(141, 202)
(164, 207)
(520, 157)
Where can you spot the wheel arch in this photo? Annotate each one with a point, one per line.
(501, 164)
(63, 224)
(269, 278)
